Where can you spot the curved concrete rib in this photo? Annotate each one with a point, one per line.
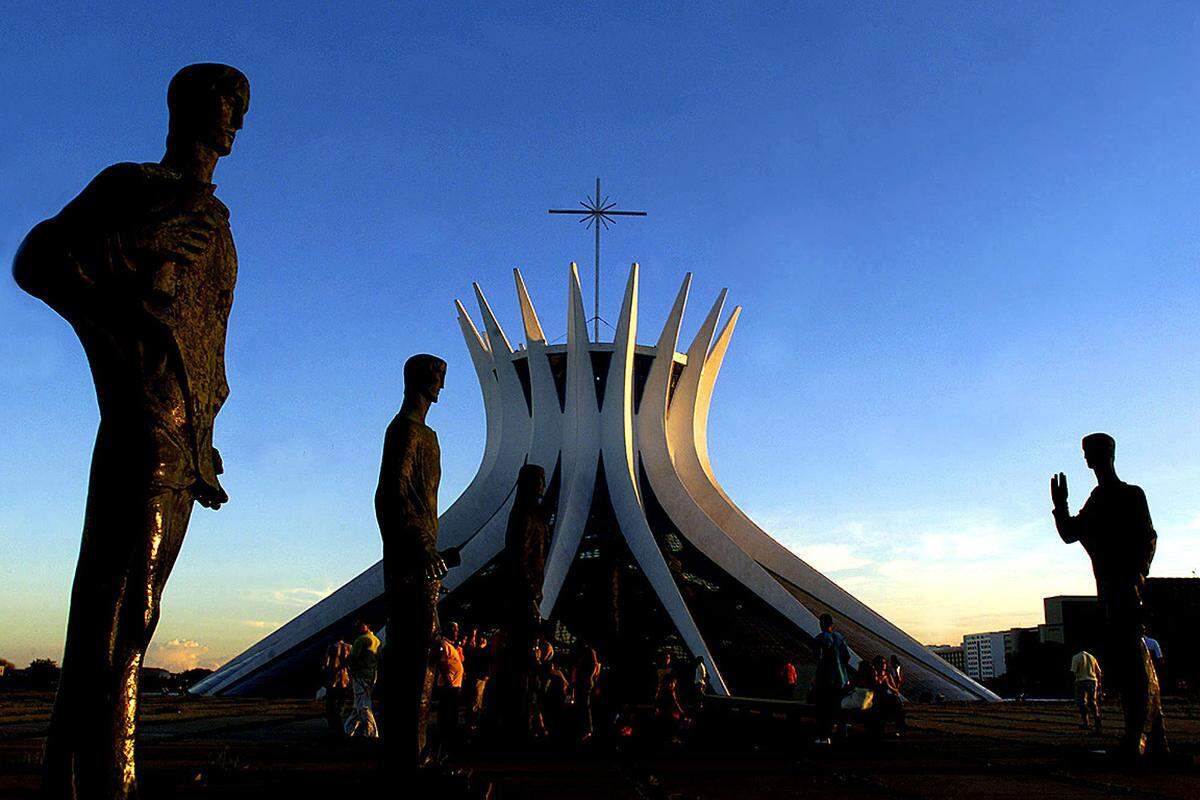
(691, 521)
(508, 423)
(547, 418)
(688, 425)
(472, 506)
(620, 473)
(580, 448)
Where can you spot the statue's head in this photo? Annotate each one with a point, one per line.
(1099, 450)
(208, 103)
(424, 376)
(531, 482)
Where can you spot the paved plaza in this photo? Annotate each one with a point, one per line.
(242, 748)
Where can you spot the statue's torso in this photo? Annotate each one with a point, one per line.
(154, 333)
(1118, 536)
(406, 498)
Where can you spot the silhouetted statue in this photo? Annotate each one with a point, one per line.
(522, 570)
(1115, 529)
(406, 508)
(142, 265)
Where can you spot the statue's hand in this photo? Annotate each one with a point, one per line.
(452, 557)
(177, 238)
(211, 496)
(1058, 490)
(435, 567)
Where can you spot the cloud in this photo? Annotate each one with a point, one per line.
(942, 574)
(178, 655)
(301, 596)
(260, 624)
(833, 557)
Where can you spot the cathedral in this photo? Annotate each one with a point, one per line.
(647, 551)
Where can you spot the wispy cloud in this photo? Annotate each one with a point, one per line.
(939, 575)
(178, 655)
(298, 597)
(834, 557)
(260, 624)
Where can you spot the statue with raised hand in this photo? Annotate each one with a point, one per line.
(142, 265)
(406, 509)
(1115, 529)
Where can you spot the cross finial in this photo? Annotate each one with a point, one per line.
(596, 212)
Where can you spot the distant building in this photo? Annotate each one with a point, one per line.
(983, 654)
(1073, 621)
(951, 654)
(1034, 660)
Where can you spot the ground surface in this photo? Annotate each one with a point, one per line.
(232, 748)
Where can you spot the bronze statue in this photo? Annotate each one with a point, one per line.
(1115, 529)
(522, 571)
(406, 508)
(142, 265)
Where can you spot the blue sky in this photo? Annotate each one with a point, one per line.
(964, 236)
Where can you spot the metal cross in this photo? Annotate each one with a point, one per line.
(597, 212)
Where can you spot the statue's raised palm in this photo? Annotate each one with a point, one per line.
(1058, 489)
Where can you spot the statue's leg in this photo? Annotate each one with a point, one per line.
(80, 757)
(1156, 731)
(516, 676)
(412, 623)
(165, 520)
(428, 630)
(1130, 667)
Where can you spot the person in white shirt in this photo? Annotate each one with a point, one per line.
(1087, 688)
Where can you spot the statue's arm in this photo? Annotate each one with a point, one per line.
(1148, 537)
(1067, 525)
(75, 260)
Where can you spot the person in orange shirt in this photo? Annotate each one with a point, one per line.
(449, 686)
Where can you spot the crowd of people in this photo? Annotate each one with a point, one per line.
(561, 694)
(875, 688)
(565, 699)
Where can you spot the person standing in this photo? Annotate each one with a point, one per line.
(478, 657)
(1086, 670)
(336, 674)
(700, 679)
(449, 687)
(887, 705)
(662, 670)
(831, 678)
(896, 674)
(587, 673)
(788, 677)
(669, 715)
(1115, 530)
(364, 669)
